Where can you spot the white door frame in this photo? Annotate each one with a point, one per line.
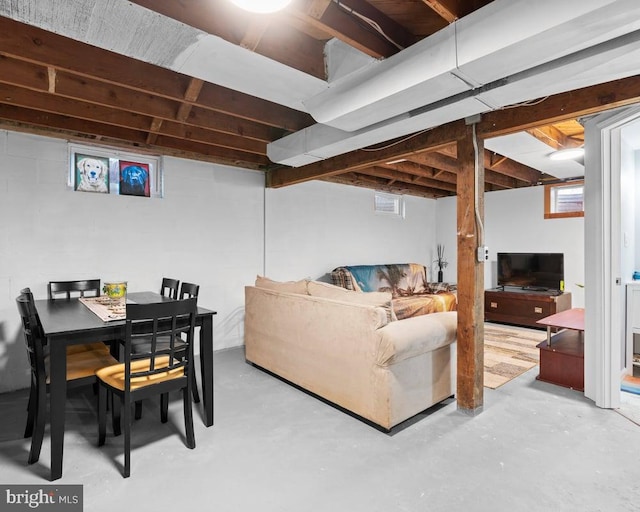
(604, 297)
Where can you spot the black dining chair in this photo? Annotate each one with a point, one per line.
(191, 291)
(65, 290)
(169, 287)
(68, 289)
(157, 371)
(187, 291)
(81, 370)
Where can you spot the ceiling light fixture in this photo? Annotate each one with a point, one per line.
(567, 154)
(261, 6)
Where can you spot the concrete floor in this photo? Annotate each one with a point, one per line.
(535, 447)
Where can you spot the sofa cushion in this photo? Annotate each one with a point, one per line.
(329, 291)
(399, 279)
(414, 336)
(285, 287)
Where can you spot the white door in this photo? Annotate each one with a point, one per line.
(605, 356)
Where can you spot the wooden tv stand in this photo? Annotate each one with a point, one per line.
(522, 307)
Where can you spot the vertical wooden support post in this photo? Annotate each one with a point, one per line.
(470, 213)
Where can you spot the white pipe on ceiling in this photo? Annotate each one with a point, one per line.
(501, 39)
(604, 62)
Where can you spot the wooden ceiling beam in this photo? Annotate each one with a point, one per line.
(317, 8)
(286, 45)
(20, 78)
(432, 139)
(352, 22)
(512, 168)
(190, 96)
(73, 108)
(205, 136)
(553, 137)
(59, 123)
(501, 180)
(442, 10)
(562, 107)
(156, 124)
(32, 47)
(45, 102)
(253, 35)
(230, 156)
(51, 73)
(495, 159)
(83, 131)
(412, 168)
(371, 182)
(390, 174)
(438, 161)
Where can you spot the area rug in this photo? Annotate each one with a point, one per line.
(508, 353)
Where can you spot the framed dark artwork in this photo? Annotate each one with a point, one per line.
(115, 172)
(91, 173)
(134, 179)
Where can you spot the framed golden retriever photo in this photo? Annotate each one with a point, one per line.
(91, 173)
(115, 172)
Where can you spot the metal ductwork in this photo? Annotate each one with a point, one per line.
(468, 68)
(506, 52)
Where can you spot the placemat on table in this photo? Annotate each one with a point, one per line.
(106, 308)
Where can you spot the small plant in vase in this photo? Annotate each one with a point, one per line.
(441, 262)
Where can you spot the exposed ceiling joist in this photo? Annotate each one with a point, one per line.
(445, 12)
(55, 85)
(555, 108)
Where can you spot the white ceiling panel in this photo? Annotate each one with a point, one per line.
(526, 149)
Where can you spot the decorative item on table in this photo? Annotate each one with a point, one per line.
(116, 291)
(441, 262)
(636, 275)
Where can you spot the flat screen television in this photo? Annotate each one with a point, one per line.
(531, 270)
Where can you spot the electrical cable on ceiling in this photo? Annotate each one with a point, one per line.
(371, 23)
(530, 103)
(408, 137)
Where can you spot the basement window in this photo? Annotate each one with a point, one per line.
(389, 204)
(562, 200)
(113, 171)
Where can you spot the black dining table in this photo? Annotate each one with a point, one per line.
(70, 322)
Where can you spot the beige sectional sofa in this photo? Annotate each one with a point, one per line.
(348, 348)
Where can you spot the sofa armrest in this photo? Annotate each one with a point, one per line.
(414, 336)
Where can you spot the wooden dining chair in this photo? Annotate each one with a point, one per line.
(169, 287)
(187, 291)
(65, 290)
(156, 371)
(68, 289)
(81, 370)
(191, 291)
